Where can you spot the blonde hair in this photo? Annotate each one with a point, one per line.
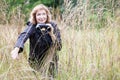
(34, 11)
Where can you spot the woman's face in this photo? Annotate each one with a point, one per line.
(41, 16)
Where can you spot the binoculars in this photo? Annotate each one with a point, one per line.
(43, 27)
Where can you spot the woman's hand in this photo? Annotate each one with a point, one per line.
(14, 53)
(51, 33)
(50, 26)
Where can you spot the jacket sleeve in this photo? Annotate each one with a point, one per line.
(58, 36)
(23, 37)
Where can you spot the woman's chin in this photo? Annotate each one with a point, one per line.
(41, 22)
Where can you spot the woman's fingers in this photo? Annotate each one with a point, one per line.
(14, 53)
(50, 27)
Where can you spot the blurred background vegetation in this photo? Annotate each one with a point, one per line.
(97, 11)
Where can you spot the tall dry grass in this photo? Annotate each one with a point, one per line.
(87, 54)
(90, 55)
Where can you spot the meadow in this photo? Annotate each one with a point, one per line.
(90, 47)
(86, 55)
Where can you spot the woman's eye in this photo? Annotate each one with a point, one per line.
(38, 14)
(44, 13)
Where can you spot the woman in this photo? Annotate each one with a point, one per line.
(44, 42)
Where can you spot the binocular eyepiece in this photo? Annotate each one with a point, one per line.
(43, 26)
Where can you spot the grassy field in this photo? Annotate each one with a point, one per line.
(89, 54)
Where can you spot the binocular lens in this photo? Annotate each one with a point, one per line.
(41, 26)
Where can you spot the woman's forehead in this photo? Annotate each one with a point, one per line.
(41, 11)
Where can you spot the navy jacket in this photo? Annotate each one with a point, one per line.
(39, 43)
